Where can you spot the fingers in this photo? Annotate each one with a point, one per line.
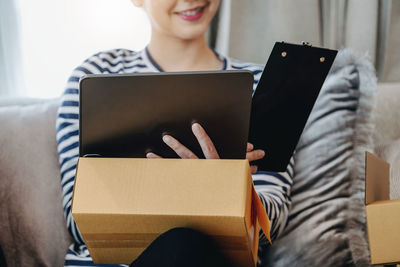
(253, 169)
(255, 155)
(179, 149)
(151, 155)
(250, 147)
(205, 142)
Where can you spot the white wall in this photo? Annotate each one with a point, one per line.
(57, 35)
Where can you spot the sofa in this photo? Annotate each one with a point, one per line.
(32, 226)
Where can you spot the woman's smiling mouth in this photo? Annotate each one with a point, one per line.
(191, 14)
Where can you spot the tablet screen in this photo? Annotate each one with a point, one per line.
(127, 115)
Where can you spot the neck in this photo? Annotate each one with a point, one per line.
(174, 54)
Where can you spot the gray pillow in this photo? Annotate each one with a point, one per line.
(326, 226)
(32, 226)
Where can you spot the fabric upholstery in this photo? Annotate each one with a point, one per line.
(327, 220)
(387, 132)
(391, 153)
(386, 115)
(32, 227)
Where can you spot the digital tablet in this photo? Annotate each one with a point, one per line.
(284, 98)
(127, 115)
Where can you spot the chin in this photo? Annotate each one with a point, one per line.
(192, 33)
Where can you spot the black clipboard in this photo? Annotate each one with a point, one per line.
(284, 98)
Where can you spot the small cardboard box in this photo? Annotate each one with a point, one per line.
(383, 214)
(121, 205)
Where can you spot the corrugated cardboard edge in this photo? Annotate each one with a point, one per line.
(250, 218)
(377, 179)
(257, 207)
(262, 217)
(73, 191)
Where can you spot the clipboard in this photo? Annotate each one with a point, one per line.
(284, 98)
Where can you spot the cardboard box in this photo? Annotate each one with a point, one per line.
(121, 205)
(383, 214)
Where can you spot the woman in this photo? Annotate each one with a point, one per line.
(177, 43)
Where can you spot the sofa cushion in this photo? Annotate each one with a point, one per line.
(390, 152)
(326, 224)
(32, 226)
(386, 115)
(387, 131)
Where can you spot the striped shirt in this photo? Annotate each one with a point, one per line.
(272, 188)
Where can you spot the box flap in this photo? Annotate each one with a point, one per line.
(377, 178)
(262, 217)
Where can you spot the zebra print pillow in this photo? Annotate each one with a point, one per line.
(326, 226)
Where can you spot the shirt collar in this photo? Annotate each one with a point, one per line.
(146, 54)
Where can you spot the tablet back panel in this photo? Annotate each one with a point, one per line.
(127, 115)
(284, 98)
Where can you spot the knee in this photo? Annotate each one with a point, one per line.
(180, 246)
(186, 237)
(184, 233)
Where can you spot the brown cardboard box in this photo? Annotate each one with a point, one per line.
(383, 214)
(121, 205)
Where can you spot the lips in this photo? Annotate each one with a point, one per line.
(191, 14)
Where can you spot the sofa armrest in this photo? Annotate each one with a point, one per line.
(32, 225)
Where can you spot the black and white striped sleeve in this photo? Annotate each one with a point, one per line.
(274, 190)
(67, 125)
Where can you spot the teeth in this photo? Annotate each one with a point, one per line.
(190, 13)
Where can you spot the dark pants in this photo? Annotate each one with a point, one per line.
(2, 258)
(182, 247)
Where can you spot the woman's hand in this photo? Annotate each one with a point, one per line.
(207, 146)
(252, 155)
